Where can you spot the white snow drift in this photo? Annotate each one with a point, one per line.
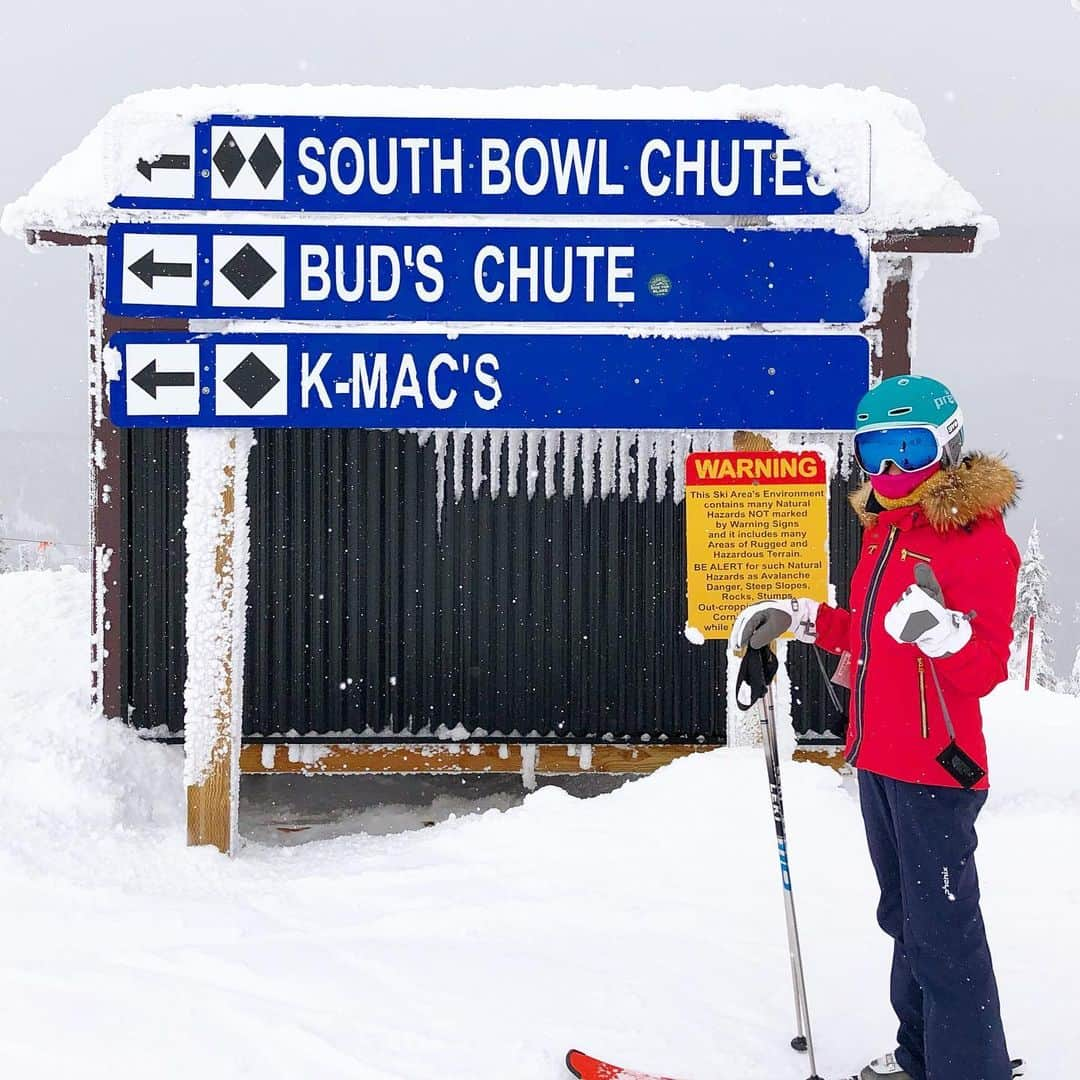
(645, 925)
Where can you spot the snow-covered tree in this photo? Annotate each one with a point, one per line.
(5, 552)
(1071, 685)
(1032, 598)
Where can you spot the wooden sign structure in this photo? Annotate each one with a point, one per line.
(225, 171)
(756, 528)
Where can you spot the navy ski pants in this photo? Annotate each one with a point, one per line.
(922, 844)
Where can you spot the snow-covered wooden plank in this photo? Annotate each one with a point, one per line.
(216, 529)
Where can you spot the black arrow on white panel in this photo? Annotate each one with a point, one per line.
(147, 269)
(150, 380)
(181, 162)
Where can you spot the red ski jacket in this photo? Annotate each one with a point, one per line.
(896, 727)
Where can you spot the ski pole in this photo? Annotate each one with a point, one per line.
(756, 673)
(803, 1040)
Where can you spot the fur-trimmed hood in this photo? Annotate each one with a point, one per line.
(979, 486)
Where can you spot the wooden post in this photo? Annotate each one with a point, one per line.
(1030, 652)
(108, 519)
(216, 528)
(895, 319)
(110, 572)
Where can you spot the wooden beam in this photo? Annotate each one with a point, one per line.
(216, 528)
(945, 240)
(54, 238)
(314, 758)
(831, 756)
(109, 484)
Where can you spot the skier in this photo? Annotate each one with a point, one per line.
(926, 635)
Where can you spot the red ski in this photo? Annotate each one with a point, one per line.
(585, 1067)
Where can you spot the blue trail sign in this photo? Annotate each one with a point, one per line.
(394, 380)
(486, 274)
(498, 166)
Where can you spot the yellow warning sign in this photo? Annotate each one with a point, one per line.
(756, 529)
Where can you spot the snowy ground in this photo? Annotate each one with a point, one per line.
(645, 924)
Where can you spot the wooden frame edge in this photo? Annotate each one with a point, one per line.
(509, 757)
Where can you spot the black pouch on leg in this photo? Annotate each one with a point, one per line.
(962, 767)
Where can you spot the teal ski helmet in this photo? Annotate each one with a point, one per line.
(911, 420)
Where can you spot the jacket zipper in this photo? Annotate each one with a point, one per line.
(922, 698)
(905, 554)
(864, 655)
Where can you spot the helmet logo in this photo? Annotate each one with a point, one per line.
(945, 399)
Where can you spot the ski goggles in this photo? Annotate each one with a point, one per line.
(910, 448)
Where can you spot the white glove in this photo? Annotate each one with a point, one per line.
(918, 618)
(762, 623)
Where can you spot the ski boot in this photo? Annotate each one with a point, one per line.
(883, 1068)
(886, 1068)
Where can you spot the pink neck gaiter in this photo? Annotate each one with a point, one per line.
(900, 485)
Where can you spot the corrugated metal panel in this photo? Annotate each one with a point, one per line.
(376, 610)
(378, 607)
(156, 658)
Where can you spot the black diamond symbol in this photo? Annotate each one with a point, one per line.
(229, 159)
(248, 271)
(251, 380)
(265, 161)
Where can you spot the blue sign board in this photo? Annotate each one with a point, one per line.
(496, 166)
(394, 380)
(485, 274)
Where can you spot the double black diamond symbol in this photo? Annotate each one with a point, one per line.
(247, 271)
(251, 380)
(230, 159)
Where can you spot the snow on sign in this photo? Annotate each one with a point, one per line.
(397, 380)
(756, 527)
(473, 165)
(423, 273)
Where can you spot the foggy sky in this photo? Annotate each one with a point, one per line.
(998, 85)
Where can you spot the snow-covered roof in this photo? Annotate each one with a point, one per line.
(909, 190)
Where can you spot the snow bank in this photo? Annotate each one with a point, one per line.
(908, 188)
(66, 779)
(645, 925)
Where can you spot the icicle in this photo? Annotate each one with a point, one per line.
(627, 463)
(476, 447)
(571, 452)
(440, 476)
(663, 453)
(459, 436)
(532, 465)
(648, 444)
(682, 444)
(496, 442)
(514, 440)
(587, 453)
(552, 441)
(608, 475)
